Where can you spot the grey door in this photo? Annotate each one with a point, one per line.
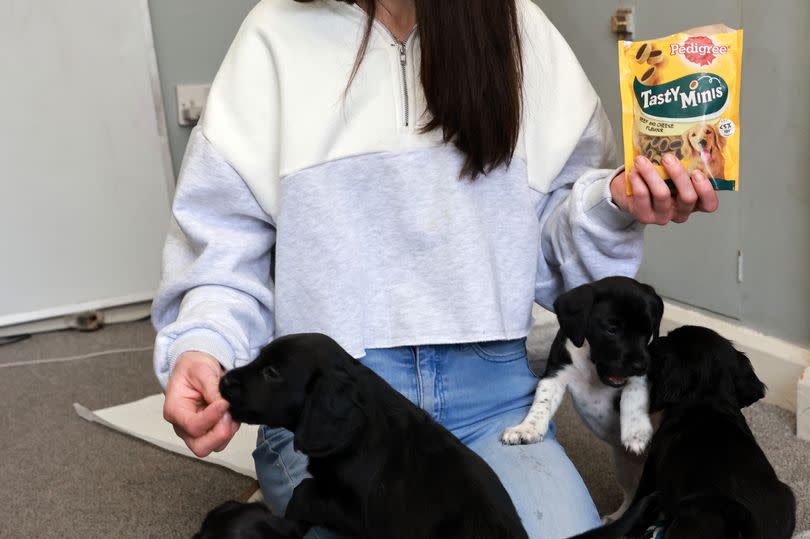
(694, 263)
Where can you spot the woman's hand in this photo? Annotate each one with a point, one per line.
(195, 407)
(653, 202)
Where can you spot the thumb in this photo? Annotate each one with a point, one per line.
(205, 378)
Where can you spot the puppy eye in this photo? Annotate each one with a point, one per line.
(270, 373)
(612, 330)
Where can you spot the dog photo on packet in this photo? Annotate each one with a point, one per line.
(405, 269)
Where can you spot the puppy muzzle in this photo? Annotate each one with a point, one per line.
(632, 366)
(230, 388)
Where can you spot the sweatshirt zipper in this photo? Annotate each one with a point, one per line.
(403, 62)
(403, 65)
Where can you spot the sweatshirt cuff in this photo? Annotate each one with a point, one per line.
(600, 207)
(202, 340)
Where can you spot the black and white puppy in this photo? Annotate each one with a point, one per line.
(380, 466)
(601, 356)
(705, 475)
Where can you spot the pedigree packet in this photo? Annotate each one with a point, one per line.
(681, 95)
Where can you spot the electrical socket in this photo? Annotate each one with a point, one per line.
(623, 22)
(191, 100)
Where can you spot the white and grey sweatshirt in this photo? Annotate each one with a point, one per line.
(304, 208)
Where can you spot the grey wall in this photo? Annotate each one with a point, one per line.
(776, 159)
(773, 206)
(191, 39)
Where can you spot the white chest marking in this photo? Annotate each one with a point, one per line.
(593, 400)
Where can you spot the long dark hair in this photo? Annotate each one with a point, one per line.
(471, 73)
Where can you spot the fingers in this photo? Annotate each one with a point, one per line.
(662, 204)
(640, 204)
(652, 201)
(193, 402)
(191, 418)
(205, 379)
(220, 448)
(234, 427)
(195, 407)
(686, 197)
(707, 200)
(214, 440)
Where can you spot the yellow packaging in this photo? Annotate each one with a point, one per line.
(681, 95)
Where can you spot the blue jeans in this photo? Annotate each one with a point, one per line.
(475, 391)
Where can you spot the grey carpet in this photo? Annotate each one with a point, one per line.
(64, 477)
(59, 344)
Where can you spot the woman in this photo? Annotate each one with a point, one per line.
(406, 176)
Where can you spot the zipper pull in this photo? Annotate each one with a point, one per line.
(403, 56)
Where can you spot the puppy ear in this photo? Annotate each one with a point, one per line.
(573, 310)
(670, 384)
(748, 386)
(721, 140)
(332, 415)
(686, 146)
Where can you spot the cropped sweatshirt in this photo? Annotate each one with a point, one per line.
(301, 207)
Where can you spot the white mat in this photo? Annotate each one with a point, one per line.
(143, 419)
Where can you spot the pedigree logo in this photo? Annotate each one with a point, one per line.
(699, 50)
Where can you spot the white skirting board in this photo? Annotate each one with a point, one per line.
(803, 410)
(143, 419)
(114, 312)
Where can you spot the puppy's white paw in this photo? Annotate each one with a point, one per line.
(637, 435)
(522, 434)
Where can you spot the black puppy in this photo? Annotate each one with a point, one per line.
(705, 472)
(601, 356)
(234, 520)
(380, 466)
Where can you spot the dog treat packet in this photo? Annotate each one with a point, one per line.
(681, 96)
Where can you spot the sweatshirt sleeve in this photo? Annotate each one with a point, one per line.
(216, 292)
(571, 157)
(584, 235)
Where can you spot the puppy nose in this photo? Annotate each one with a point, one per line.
(229, 387)
(703, 142)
